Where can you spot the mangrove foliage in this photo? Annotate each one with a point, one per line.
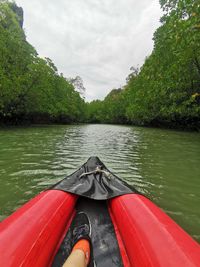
(31, 89)
(166, 89)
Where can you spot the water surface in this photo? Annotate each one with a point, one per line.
(162, 164)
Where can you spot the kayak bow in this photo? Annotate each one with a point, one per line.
(127, 228)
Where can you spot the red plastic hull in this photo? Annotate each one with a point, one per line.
(150, 237)
(31, 235)
(146, 235)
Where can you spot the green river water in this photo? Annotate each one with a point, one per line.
(163, 164)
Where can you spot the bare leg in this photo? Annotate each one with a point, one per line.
(76, 259)
(80, 255)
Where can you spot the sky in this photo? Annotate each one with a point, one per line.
(98, 40)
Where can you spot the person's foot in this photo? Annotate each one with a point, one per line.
(81, 233)
(81, 228)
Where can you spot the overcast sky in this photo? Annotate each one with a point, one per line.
(98, 40)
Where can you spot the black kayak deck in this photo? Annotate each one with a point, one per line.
(93, 180)
(104, 244)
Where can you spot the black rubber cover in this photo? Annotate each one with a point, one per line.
(93, 180)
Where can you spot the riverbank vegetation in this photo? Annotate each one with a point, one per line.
(165, 91)
(31, 89)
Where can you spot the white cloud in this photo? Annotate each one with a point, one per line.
(98, 40)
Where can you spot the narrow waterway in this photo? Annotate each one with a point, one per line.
(162, 164)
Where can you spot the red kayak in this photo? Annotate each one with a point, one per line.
(127, 228)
